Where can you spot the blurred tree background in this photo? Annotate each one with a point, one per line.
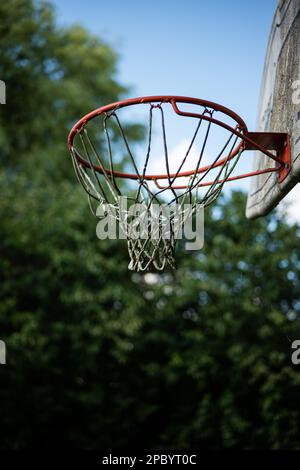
(98, 356)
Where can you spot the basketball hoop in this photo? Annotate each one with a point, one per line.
(102, 176)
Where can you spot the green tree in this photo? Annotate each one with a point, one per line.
(53, 77)
(101, 357)
(219, 339)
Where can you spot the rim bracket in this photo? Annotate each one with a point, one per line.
(278, 141)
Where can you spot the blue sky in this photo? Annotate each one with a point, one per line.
(210, 50)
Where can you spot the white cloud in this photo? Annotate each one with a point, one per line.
(176, 156)
(292, 205)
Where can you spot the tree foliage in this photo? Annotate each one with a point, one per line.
(53, 77)
(101, 357)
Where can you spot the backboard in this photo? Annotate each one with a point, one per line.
(279, 109)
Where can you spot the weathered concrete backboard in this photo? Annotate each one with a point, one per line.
(279, 109)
